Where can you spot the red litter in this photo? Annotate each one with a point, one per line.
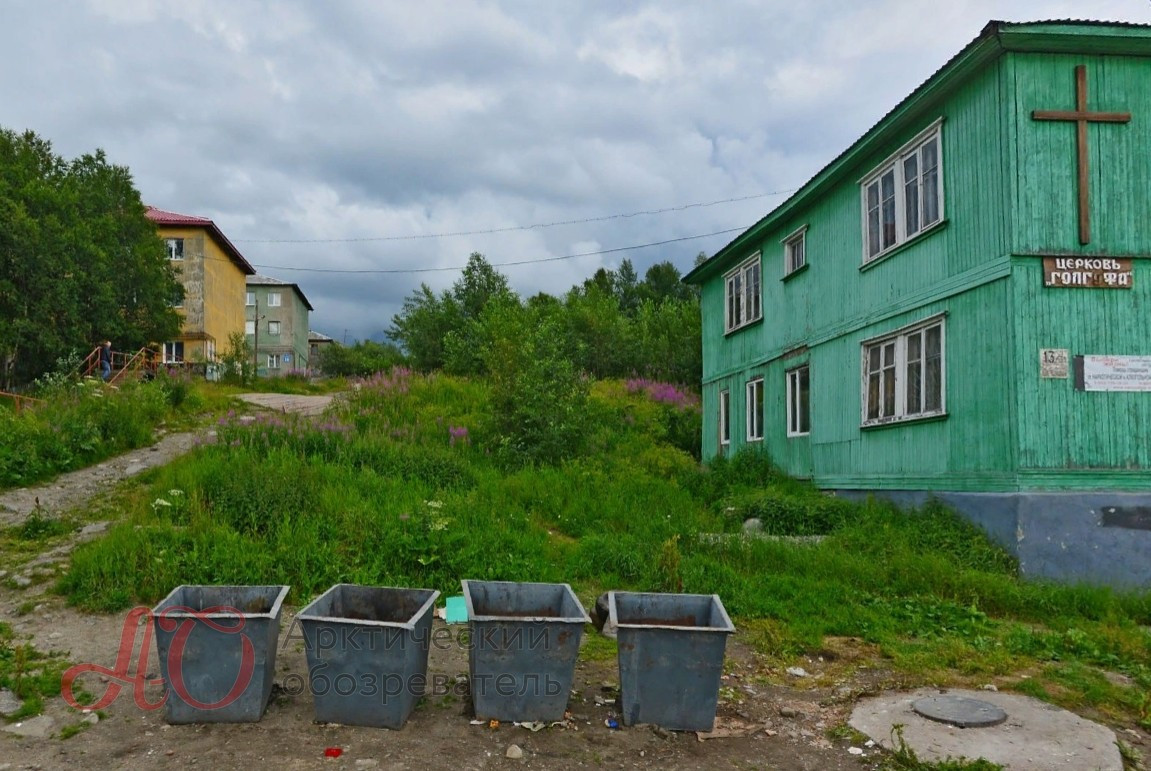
(333, 752)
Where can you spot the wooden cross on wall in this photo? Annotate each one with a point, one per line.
(1081, 118)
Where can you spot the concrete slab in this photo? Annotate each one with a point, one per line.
(304, 405)
(39, 727)
(1035, 737)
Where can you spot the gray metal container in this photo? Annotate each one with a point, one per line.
(217, 651)
(671, 649)
(525, 638)
(368, 653)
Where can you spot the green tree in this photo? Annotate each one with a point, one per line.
(539, 396)
(627, 287)
(79, 260)
(422, 325)
(662, 281)
(441, 332)
(361, 359)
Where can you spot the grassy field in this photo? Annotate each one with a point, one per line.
(403, 485)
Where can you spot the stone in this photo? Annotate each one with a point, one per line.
(93, 529)
(10, 703)
(55, 636)
(788, 712)
(40, 727)
(514, 752)
(22, 582)
(91, 718)
(367, 763)
(797, 671)
(959, 711)
(753, 525)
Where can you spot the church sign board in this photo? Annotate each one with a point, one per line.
(1088, 272)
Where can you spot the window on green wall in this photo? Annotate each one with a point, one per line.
(754, 409)
(795, 251)
(903, 196)
(744, 304)
(904, 374)
(724, 418)
(799, 401)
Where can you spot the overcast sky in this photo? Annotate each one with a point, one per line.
(374, 128)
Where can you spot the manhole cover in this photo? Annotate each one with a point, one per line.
(959, 711)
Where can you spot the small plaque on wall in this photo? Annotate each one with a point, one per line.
(1054, 363)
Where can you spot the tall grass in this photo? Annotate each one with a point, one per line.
(399, 485)
(77, 425)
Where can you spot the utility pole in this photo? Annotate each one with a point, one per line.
(256, 342)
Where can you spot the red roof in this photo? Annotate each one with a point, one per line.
(172, 219)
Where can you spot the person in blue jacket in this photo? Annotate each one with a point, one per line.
(106, 360)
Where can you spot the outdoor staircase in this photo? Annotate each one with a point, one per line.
(126, 365)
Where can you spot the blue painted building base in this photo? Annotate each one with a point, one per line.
(1090, 537)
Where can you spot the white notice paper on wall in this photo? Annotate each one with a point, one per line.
(1117, 373)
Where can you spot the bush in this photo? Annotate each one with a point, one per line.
(539, 399)
(77, 427)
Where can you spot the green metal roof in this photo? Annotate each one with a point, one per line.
(997, 38)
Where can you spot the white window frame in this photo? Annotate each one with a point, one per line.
(743, 294)
(249, 299)
(894, 363)
(273, 299)
(794, 405)
(795, 251)
(249, 327)
(724, 418)
(175, 248)
(897, 166)
(174, 352)
(273, 327)
(210, 350)
(273, 361)
(754, 421)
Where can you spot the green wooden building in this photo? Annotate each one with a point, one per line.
(959, 304)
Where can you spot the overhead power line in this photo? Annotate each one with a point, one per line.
(511, 228)
(505, 264)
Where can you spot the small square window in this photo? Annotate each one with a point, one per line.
(174, 352)
(249, 327)
(273, 299)
(795, 251)
(273, 327)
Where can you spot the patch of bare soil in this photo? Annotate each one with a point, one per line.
(759, 725)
